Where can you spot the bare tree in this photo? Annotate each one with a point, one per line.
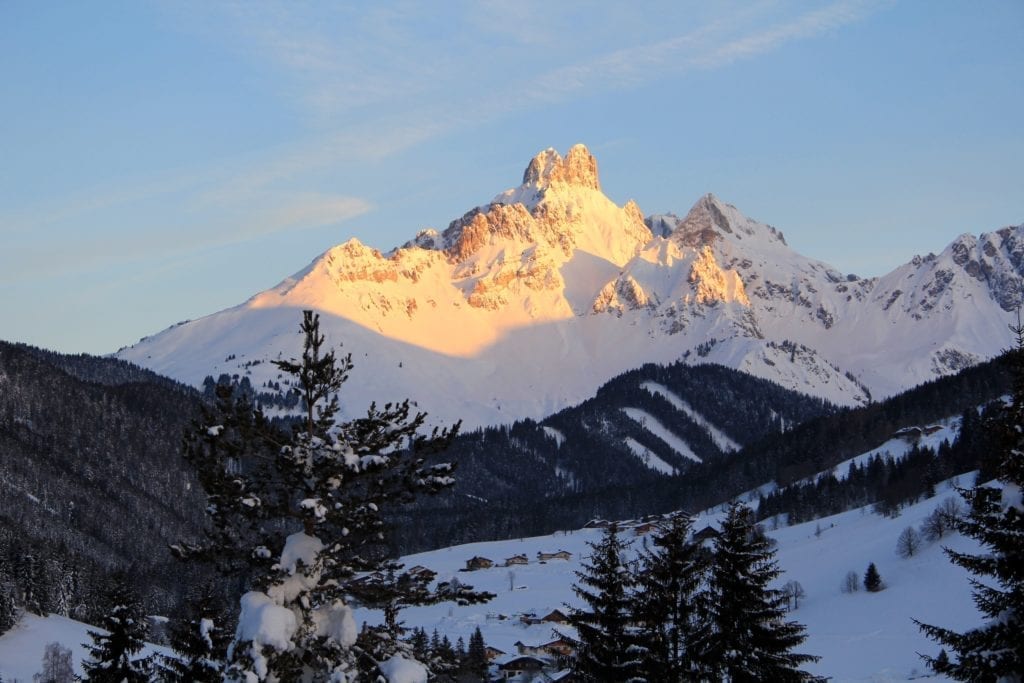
(793, 592)
(56, 665)
(851, 582)
(908, 543)
(942, 519)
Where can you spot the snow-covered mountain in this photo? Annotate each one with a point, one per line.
(527, 304)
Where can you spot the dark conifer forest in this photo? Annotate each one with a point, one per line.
(91, 481)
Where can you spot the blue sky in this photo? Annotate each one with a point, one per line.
(163, 160)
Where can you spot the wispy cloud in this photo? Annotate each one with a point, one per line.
(390, 88)
(335, 76)
(806, 26)
(278, 213)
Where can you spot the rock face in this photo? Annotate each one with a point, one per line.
(530, 302)
(578, 168)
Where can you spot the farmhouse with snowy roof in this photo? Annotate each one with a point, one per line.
(475, 563)
(420, 569)
(559, 555)
(555, 616)
(516, 559)
(525, 667)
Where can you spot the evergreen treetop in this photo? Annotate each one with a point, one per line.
(112, 654)
(302, 513)
(200, 640)
(603, 643)
(748, 637)
(994, 651)
(872, 579)
(667, 605)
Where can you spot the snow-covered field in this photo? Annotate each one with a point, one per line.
(21, 648)
(859, 637)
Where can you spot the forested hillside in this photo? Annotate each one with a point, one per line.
(91, 480)
(531, 478)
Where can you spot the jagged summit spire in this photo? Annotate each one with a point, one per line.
(577, 168)
(711, 219)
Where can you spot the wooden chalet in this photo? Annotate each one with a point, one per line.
(555, 616)
(518, 665)
(419, 570)
(559, 555)
(516, 559)
(493, 653)
(475, 563)
(645, 528)
(529, 649)
(557, 649)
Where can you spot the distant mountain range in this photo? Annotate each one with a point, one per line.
(527, 304)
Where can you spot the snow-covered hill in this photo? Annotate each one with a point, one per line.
(21, 648)
(859, 636)
(527, 304)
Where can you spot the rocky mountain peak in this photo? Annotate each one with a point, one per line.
(706, 221)
(711, 219)
(578, 168)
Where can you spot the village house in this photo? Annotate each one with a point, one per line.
(645, 528)
(512, 666)
(560, 555)
(420, 569)
(555, 616)
(516, 559)
(475, 563)
(558, 648)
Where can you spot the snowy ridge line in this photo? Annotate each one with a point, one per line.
(649, 457)
(651, 424)
(722, 440)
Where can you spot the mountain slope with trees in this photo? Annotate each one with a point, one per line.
(91, 480)
(534, 477)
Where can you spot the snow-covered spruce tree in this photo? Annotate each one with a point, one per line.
(748, 638)
(112, 656)
(665, 603)
(604, 647)
(199, 640)
(995, 650)
(300, 513)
